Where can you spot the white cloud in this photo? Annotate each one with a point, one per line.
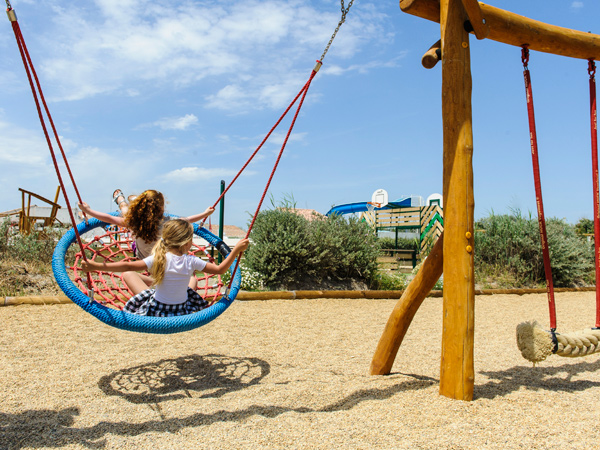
(577, 5)
(254, 51)
(197, 174)
(22, 146)
(177, 123)
(364, 68)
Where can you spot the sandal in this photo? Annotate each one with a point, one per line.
(118, 197)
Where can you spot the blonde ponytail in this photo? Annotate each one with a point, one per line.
(160, 261)
(176, 233)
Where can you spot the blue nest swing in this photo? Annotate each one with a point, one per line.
(116, 317)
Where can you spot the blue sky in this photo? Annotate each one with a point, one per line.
(176, 95)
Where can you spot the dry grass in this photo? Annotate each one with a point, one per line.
(290, 375)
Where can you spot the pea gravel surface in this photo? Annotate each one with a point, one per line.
(291, 374)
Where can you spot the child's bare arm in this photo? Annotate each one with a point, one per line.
(219, 269)
(119, 266)
(197, 217)
(104, 217)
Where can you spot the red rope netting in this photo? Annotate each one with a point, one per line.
(116, 244)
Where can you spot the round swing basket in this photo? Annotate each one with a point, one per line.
(109, 311)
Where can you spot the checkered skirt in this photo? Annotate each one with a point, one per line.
(144, 304)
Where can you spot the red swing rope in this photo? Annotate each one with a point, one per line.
(303, 90)
(302, 93)
(538, 188)
(37, 96)
(594, 136)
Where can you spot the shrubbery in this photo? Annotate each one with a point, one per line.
(288, 250)
(508, 250)
(36, 247)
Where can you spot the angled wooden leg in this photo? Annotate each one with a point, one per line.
(405, 310)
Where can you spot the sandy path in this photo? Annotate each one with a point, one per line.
(284, 374)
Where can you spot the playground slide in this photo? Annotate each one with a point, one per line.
(350, 208)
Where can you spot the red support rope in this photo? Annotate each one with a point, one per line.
(31, 75)
(344, 9)
(302, 92)
(538, 188)
(594, 132)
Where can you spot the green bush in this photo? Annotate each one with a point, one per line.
(385, 281)
(37, 246)
(508, 247)
(288, 250)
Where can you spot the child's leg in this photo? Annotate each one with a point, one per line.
(136, 282)
(119, 199)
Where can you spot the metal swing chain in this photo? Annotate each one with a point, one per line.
(342, 20)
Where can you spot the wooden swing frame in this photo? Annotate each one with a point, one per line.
(457, 18)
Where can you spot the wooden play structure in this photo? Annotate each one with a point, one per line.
(428, 221)
(27, 221)
(452, 254)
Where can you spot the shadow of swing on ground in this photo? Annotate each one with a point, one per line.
(207, 376)
(56, 428)
(538, 378)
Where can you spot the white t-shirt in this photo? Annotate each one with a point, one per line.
(179, 269)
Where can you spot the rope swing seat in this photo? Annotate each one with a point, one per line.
(535, 342)
(103, 295)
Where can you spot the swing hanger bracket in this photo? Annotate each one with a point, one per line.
(525, 55)
(12, 15)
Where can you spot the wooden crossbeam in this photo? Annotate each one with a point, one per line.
(513, 29)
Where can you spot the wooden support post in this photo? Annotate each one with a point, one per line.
(457, 371)
(405, 310)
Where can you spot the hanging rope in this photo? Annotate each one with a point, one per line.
(594, 133)
(302, 96)
(538, 188)
(534, 342)
(37, 96)
(302, 92)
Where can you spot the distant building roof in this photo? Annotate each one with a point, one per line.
(230, 231)
(308, 214)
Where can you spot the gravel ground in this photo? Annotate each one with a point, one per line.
(284, 374)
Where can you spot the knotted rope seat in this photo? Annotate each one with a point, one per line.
(111, 294)
(536, 344)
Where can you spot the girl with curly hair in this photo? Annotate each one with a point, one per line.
(144, 217)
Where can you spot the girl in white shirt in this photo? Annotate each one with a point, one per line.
(171, 267)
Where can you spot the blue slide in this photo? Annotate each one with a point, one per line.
(350, 208)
